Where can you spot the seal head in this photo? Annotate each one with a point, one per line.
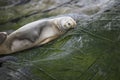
(65, 23)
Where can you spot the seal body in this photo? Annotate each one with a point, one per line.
(36, 33)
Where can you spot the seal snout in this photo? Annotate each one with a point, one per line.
(73, 22)
(68, 23)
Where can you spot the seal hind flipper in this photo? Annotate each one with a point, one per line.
(3, 36)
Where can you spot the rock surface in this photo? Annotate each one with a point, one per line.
(16, 13)
(90, 52)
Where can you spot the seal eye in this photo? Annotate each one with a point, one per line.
(69, 24)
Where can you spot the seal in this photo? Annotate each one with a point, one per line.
(36, 33)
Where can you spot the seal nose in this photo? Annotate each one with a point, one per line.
(74, 23)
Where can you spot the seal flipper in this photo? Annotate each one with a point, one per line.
(31, 36)
(3, 36)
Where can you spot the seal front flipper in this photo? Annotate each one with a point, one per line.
(3, 36)
(24, 37)
(31, 36)
(48, 39)
(30, 32)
